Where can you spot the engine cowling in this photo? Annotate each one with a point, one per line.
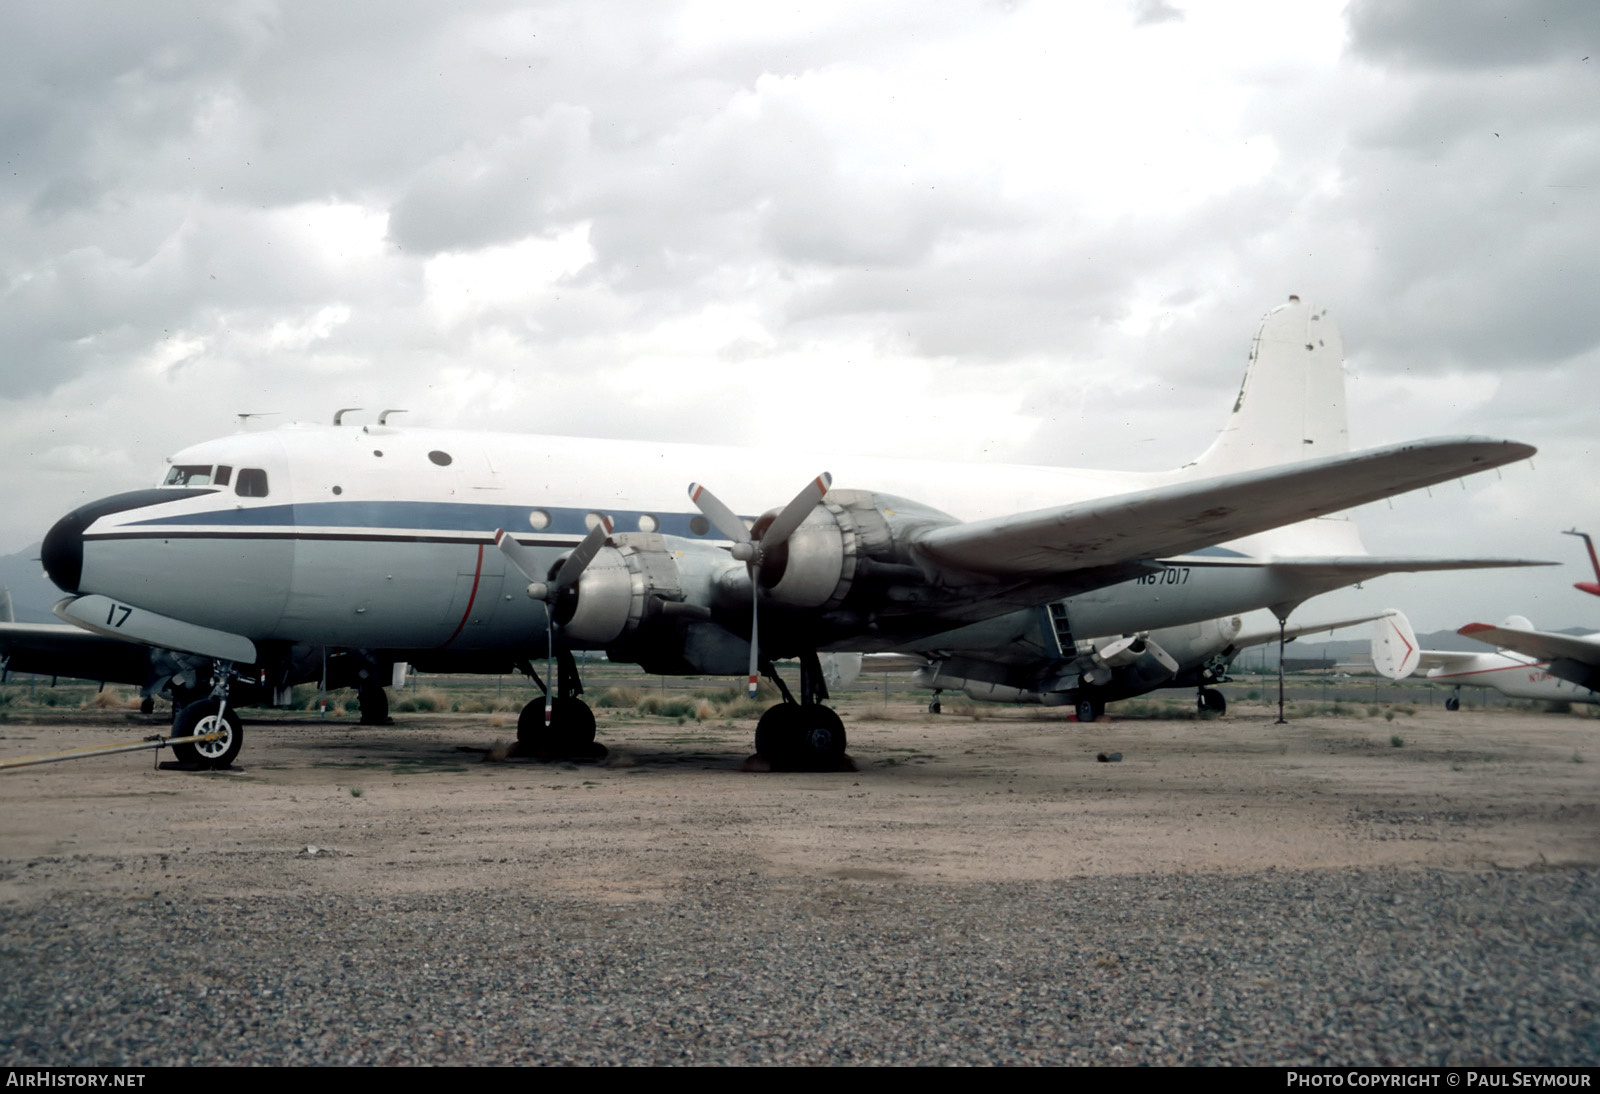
(636, 576)
(817, 565)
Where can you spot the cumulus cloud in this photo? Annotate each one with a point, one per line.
(1006, 231)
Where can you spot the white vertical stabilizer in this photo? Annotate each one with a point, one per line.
(1394, 646)
(1291, 403)
(1291, 407)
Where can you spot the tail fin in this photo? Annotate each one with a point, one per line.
(1394, 646)
(1590, 587)
(1290, 407)
(1291, 404)
(7, 614)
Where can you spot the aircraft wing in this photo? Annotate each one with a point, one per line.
(59, 649)
(1185, 516)
(1584, 650)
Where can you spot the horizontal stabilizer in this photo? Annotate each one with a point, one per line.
(1354, 568)
(1174, 519)
(1260, 636)
(894, 662)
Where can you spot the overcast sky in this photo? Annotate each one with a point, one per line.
(1020, 232)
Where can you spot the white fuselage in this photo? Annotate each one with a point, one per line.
(1513, 675)
(380, 538)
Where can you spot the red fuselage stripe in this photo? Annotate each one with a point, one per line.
(472, 599)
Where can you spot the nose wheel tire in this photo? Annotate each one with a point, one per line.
(202, 717)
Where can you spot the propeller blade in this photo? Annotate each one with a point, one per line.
(549, 664)
(755, 618)
(721, 517)
(525, 561)
(795, 513)
(582, 555)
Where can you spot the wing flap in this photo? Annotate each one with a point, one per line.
(1183, 517)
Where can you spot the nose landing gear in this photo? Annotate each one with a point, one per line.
(206, 716)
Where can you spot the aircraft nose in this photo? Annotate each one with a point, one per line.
(62, 553)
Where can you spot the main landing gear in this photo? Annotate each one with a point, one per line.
(211, 714)
(804, 735)
(1454, 702)
(1211, 701)
(374, 703)
(1089, 710)
(570, 731)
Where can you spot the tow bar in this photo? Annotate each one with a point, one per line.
(106, 750)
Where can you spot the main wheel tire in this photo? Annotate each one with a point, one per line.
(571, 727)
(202, 717)
(1452, 703)
(1213, 701)
(778, 734)
(935, 707)
(374, 706)
(822, 738)
(1089, 710)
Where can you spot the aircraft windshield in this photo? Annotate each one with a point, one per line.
(188, 476)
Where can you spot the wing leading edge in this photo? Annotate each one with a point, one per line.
(1172, 520)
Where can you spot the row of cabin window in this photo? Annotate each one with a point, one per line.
(251, 483)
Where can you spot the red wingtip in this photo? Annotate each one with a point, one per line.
(1474, 628)
(1590, 587)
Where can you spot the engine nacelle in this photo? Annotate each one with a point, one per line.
(635, 576)
(817, 565)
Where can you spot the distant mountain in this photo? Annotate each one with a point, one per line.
(32, 594)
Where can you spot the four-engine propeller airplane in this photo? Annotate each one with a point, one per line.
(477, 552)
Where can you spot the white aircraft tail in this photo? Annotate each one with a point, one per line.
(1394, 646)
(7, 614)
(1291, 403)
(1291, 407)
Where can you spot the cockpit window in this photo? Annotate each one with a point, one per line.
(185, 475)
(252, 483)
(224, 473)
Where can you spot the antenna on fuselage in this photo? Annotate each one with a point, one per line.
(383, 419)
(338, 415)
(244, 416)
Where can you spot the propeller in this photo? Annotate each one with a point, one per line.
(750, 547)
(551, 592)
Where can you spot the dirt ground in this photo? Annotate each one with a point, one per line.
(1011, 795)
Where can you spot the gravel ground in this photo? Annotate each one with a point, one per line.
(1329, 967)
(1233, 891)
